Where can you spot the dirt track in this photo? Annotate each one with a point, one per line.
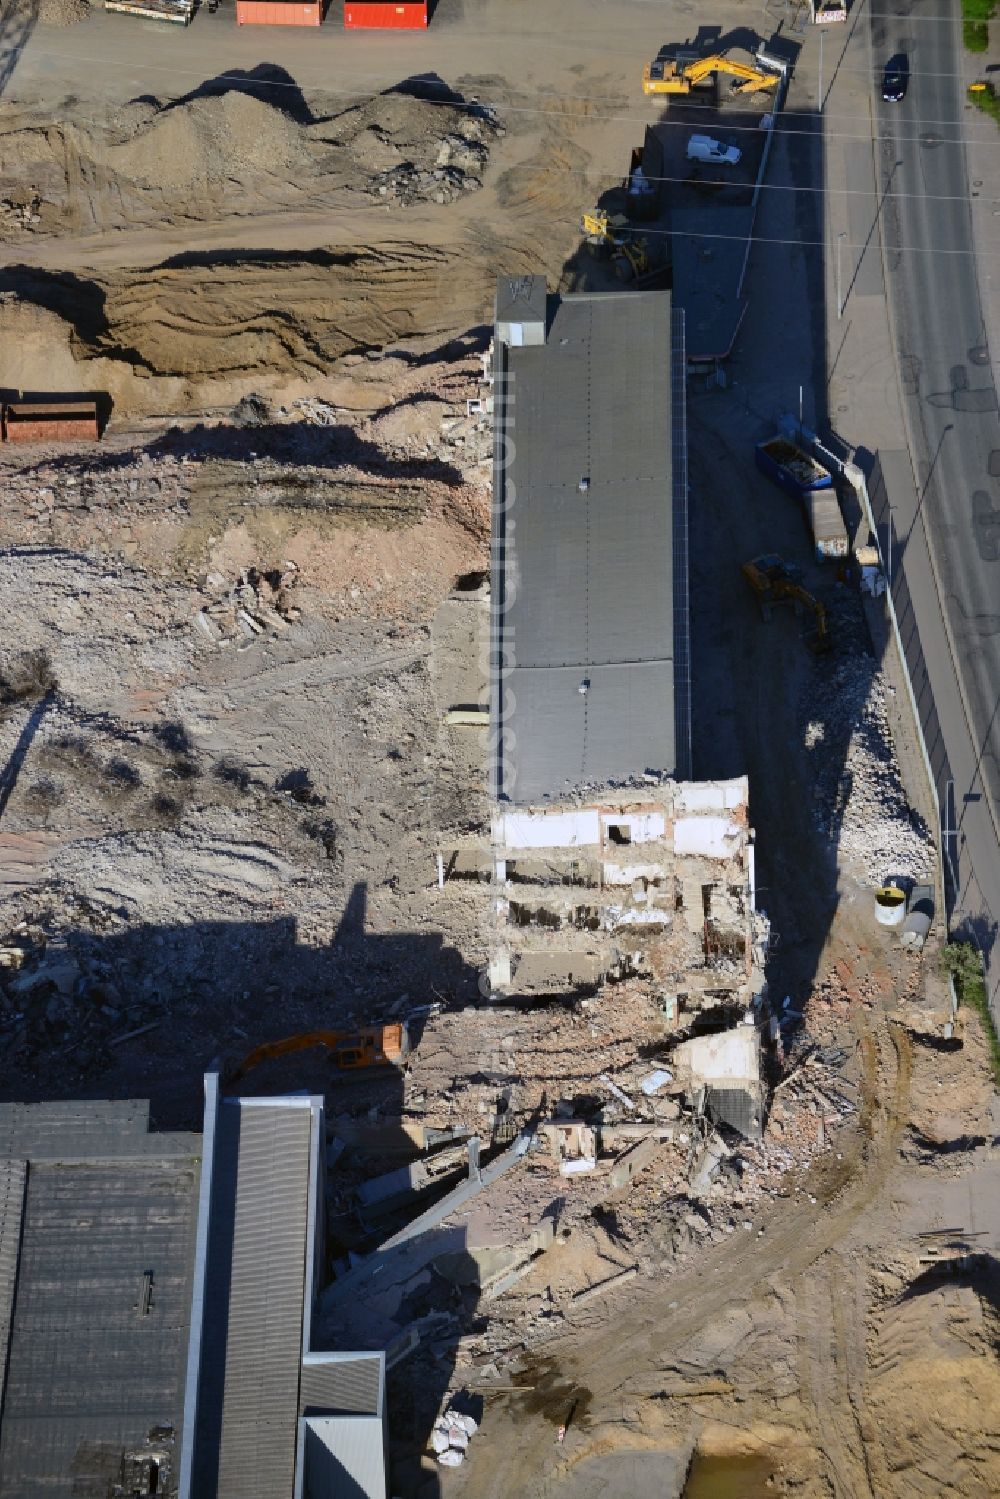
(797, 1353)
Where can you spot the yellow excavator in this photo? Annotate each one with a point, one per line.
(682, 73)
(776, 582)
(611, 236)
(372, 1046)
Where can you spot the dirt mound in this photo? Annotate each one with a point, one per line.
(288, 316)
(409, 149)
(234, 152)
(245, 323)
(230, 135)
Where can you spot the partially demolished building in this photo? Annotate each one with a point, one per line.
(655, 884)
(608, 862)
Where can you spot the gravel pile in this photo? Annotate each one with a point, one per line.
(860, 803)
(62, 12)
(230, 135)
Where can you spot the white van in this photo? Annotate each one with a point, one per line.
(704, 148)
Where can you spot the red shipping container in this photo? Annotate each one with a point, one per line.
(278, 13)
(51, 421)
(385, 16)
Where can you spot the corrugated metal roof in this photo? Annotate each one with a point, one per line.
(91, 1369)
(583, 586)
(13, 1179)
(342, 1384)
(344, 1458)
(252, 1340)
(88, 1130)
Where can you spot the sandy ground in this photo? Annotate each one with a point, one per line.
(213, 832)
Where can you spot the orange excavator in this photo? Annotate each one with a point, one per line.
(686, 70)
(349, 1051)
(775, 581)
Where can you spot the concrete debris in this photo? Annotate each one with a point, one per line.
(604, 1287)
(572, 1143)
(617, 1092)
(256, 604)
(652, 884)
(724, 1068)
(707, 1163)
(450, 1436)
(634, 1161)
(859, 800)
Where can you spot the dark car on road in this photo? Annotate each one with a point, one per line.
(895, 78)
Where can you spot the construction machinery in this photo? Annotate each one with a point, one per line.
(611, 236)
(349, 1051)
(684, 71)
(775, 581)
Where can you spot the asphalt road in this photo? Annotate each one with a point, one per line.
(950, 403)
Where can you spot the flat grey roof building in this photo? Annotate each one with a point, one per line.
(589, 570)
(97, 1220)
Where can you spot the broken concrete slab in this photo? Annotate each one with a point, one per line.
(707, 1164)
(604, 1287)
(722, 1072)
(650, 882)
(634, 1161)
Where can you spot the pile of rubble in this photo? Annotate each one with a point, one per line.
(416, 149)
(256, 604)
(54, 1011)
(23, 214)
(457, 170)
(860, 803)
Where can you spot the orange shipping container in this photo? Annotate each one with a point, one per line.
(385, 16)
(278, 13)
(51, 421)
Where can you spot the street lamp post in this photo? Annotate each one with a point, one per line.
(822, 37)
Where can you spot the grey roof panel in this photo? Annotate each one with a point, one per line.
(91, 1370)
(88, 1130)
(342, 1384)
(584, 548)
(13, 1180)
(520, 298)
(252, 1339)
(344, 1458)
(621, 728)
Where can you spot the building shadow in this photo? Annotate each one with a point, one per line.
(145, 1010)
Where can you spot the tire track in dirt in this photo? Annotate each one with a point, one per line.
(618, 1357)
